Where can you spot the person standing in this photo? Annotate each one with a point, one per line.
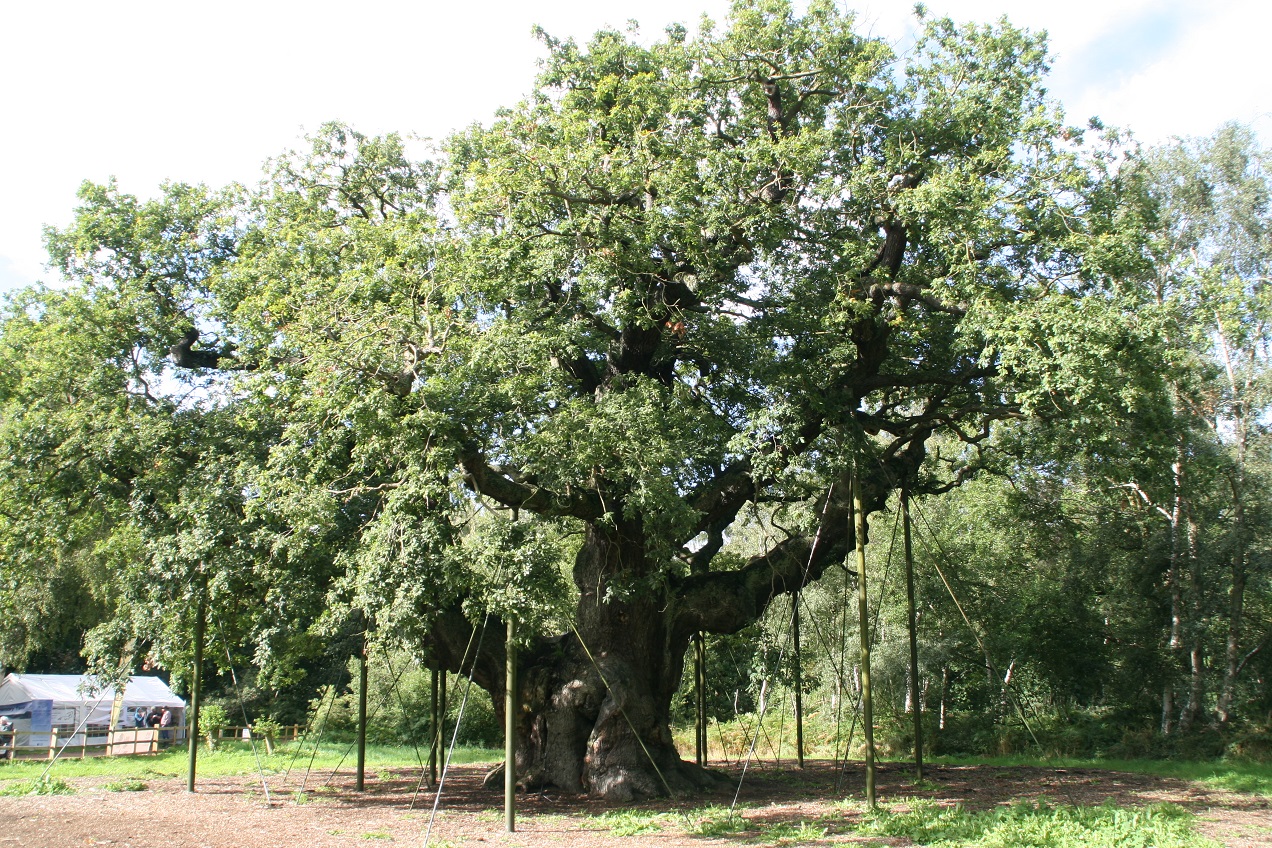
(6, 738)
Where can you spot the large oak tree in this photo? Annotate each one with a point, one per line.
(679, 280)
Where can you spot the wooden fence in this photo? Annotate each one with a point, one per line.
(124, 742)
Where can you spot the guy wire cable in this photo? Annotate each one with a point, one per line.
(375, 709)
(873, 636)
(979, 641)
(459, 720)
(626, 718)
(322, 729)
(79, 727)
(242, 709)
(840, 669)
(812, 552)
(621, 711)
(1006, 687)
(397, 690)
(738, 716)
(442, 719)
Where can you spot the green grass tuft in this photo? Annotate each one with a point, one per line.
(130, 784)
(629, 822)
(39, 786)
(716, 821)
(789, 833)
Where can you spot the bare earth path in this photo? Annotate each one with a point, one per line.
(233, 813)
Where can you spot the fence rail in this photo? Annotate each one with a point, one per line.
(120, 743)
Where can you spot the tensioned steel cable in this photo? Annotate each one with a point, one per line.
(459, 720)
(375, 709)
(442, 719)
(812, 552)
(1020, 710)
(322, 726)
(238, 693)
(80, 726)
(397, 690)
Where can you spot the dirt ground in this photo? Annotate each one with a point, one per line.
(326, 812)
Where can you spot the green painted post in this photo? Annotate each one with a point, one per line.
(196, 685)
(799, 682)
(863, 616)
(700, 696)
(915, 701)
(362, 719)
(510, 733)
(435, 726)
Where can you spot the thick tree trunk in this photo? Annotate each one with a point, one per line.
(1232, 653)
(596, 703)
(1192, 711)
(1240, 388)
(1236, 597)
(1174, 585)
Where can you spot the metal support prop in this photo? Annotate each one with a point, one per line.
(435, 726)
(510, 732)
(799, 681)
(863, 615)
(915, 700)
(442, 707)
(362, 719)
(700, 696)
(196, 686)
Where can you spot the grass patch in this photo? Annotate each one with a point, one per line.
(715, 821)
(378, 834)
(236, 758)
(627, 822)
(38, 786)
(1039, 826)
(789, 833)
(1233, 776)
(129, 784)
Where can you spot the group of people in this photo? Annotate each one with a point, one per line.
(154, 717)
(158, 717)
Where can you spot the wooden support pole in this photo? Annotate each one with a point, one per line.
(700, 697)
(799, 681)
(863, 617)
(443, 704)
(916, 702)
(196, 687)
(360, 784)
(510, 732)
(435, 729)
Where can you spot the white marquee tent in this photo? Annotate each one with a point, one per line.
(80, 712)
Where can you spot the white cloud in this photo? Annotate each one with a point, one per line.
(1217, 72)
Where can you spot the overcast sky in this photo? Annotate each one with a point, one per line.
(205, 92)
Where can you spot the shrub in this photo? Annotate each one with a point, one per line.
(268, 730)
(213, 718)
